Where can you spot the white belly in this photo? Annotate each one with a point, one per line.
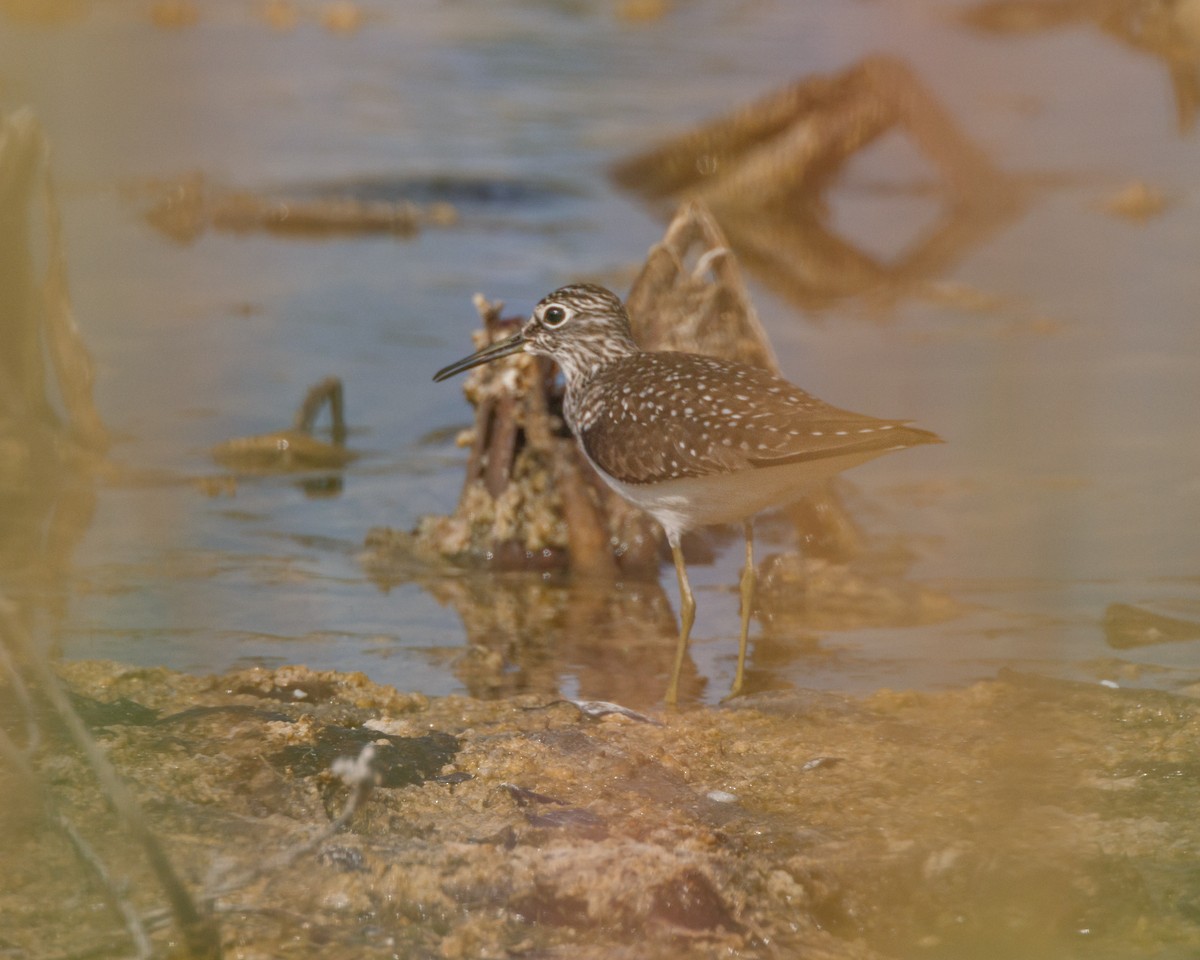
(691, 502)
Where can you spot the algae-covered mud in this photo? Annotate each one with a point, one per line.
(1015, 818)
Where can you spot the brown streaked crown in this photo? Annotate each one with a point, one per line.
(583, 327)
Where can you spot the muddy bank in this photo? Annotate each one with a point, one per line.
(1015, 818)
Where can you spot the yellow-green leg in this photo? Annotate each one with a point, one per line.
(748, 584)
(687, 615)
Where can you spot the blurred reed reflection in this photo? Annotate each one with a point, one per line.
(45, 12)
(765, 169)
(1168, 30)
(52, 439)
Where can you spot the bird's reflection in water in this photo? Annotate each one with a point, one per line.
(591, 639)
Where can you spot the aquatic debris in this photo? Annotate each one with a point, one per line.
(279, 14)
(295, 449)
(174, 14)
(1137, 201)
(1127, 626)
(523, 797)
(397, 761)
(185, 207)
(341, 16)
(595, 709)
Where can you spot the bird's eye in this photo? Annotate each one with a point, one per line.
(554, 316)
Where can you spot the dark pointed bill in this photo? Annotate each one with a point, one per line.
(504, 348)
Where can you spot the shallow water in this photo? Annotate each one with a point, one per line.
(1069, 481)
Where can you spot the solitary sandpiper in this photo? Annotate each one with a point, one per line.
(692, 440)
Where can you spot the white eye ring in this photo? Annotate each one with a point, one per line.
(555, 315)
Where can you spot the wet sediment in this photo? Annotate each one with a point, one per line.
(1022, 816)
